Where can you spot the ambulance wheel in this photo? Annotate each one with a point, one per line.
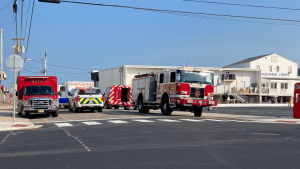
(70, 109)
(126, 108)
(100, 110)
(165, 108)
(116, 107)
(198, 111)
(76, 110)
(25, 115)
(55, 114)
(92, 110)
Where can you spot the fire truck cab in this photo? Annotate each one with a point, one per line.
(181, 89)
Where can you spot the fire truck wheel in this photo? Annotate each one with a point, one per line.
(116, 107)
(55, 114)
(198, 111)
(100, 110)
(165, 108)
(126, 108)
(70, 109)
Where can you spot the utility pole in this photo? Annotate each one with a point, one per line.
(42, 67)
(45, 62)
(1, 76)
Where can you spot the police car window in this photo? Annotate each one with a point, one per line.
(89, 91)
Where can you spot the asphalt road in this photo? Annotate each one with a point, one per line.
(255, 111)
(126, 143)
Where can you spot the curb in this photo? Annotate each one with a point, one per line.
(20, 126)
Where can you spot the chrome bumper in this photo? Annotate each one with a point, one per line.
(36, 109)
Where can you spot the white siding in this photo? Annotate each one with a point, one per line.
(248, 77)
(282, 62)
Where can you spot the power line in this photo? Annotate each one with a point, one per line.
(22, 6)
(63, 66)
(7, 5)
(27, 18)
(257, 6)
(29, 30)
(53, 71)
(186, 12)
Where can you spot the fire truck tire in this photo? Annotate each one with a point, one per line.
(100, 110)
(141, 107)
(198, 111)
(126, 108)
(55, 114)
(116, 107)
(165, 108)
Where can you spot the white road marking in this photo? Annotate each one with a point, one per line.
(88, 149)
(216, 120)
(91, 123)
(144, 121)
(192, 120)
(63, 124)
(117, 121)
(168, 120)
(268, 134)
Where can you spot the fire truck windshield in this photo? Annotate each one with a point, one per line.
(38, 90)
(89, 91)
(196, 77)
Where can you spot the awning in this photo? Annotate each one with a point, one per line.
(4, 75)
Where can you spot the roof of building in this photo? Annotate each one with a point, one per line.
(248, 60)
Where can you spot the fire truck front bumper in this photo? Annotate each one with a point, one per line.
(192, 102)
(40, 109)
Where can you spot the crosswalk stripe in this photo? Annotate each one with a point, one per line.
(63, 124)
(117, 121)
(91, 123)
(144, 121)
(192, 120)
(168, 120)
(216, 120)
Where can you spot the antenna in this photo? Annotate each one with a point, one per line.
(187, 64)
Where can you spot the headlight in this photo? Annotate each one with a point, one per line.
(189, 101)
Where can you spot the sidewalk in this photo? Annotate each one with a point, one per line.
(253, 105)
(6, 119)
(250, 118)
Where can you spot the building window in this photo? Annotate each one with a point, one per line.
(286, 85)
(273, 85)
(270, 68)
(290, 69)
(277, 68)
(257, 66)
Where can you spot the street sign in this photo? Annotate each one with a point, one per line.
(17, 64)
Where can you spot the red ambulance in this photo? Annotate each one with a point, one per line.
(118, 96)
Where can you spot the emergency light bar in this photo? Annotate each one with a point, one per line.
(37, 77)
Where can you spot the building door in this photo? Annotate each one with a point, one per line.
(242, 84)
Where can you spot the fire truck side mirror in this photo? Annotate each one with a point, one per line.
(178, 77)
(17, 93)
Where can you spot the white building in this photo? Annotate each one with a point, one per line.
(278, 75)
(254, 79)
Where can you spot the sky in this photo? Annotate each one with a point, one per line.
(86, 37)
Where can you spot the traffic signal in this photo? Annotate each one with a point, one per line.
(51, 1)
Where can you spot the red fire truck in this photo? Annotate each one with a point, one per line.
(118, 96)
(37, 95)
(296, 113)
(181, 89)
